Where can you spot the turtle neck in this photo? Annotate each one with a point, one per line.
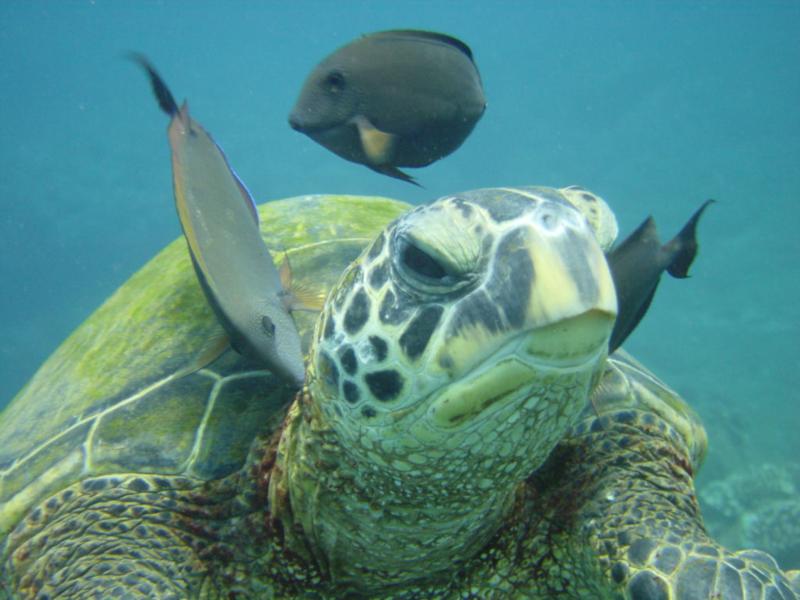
(374, 516)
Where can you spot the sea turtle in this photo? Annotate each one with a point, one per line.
(462, 432)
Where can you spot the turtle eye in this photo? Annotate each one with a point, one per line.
(422, 263)
(426, 271)
(334, 82)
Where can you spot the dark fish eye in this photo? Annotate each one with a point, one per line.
(268, 326)
(334, 81)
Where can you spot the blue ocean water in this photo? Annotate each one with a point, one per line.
(656, 106)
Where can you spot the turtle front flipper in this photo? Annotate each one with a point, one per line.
(628, 470)
(128, 536)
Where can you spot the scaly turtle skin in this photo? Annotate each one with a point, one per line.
(462, 433)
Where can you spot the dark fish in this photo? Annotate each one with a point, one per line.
(637, 264)
(392, 99)
(220, 224)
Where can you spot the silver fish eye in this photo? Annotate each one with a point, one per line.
(267, 326)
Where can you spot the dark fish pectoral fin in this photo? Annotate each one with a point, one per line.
(377, 145)
(394, 172)
(684, 245)
(165, 99)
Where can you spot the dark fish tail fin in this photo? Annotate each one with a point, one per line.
(165, 99)
(684, 245)
(396, 173)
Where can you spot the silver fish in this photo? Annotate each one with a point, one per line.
(220, 224)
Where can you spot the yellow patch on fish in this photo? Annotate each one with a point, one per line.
(377, 144)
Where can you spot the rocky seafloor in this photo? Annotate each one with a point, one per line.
(757, 507)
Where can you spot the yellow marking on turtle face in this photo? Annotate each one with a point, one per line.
(555, 294)
(571, 340)
(472, 395)
(458, 353)
(564, 286)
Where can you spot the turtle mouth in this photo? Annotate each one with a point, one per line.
(511, 372)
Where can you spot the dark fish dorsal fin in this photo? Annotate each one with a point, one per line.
(432, 36)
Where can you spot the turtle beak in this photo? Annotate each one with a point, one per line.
(573, 344)
(570, 343)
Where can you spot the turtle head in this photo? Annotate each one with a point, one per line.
(469, 331)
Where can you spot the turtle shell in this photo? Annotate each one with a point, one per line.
(120, 394)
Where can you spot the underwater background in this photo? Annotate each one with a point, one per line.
(655, 106)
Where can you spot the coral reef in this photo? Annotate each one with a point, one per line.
(757, 507)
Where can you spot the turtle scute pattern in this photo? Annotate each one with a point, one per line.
(656, 549)
(113, 398)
